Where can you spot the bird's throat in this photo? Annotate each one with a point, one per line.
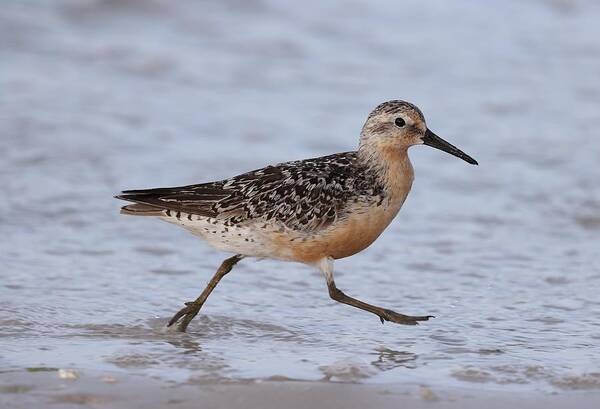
(392, 167)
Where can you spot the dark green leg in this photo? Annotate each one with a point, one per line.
(191, 309)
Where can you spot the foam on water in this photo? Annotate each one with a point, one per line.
(98, 96)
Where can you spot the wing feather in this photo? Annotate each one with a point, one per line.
(304, 195)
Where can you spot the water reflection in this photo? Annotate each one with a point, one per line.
(388, 359)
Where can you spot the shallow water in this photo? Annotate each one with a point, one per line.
(98, 96)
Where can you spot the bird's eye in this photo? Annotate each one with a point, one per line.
(399, 122)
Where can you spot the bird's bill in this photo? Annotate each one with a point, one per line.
(431, 139)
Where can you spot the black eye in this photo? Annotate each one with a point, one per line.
(399, 122)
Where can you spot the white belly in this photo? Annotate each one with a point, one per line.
(245, 240)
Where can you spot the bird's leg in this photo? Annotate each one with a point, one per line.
(191, 309)
(326, 266)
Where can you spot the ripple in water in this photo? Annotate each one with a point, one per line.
(504, 255)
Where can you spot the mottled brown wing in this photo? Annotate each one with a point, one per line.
(303, 195)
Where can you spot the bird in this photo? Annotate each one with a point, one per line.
(311, 211)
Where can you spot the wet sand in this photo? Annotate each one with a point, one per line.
(108, 390)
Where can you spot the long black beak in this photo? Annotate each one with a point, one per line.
(431, 139)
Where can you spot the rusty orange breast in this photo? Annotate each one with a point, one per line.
(347, 236)
(361, 224)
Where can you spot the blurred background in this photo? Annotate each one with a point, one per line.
(103, 95)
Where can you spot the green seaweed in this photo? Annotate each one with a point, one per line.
(41, 369)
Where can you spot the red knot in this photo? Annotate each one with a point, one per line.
(312, 211)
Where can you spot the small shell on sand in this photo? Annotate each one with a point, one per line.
(69, 374)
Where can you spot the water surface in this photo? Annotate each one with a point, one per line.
(98, 96)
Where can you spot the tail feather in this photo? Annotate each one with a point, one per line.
(139, 209)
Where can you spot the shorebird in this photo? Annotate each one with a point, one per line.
(312, 211)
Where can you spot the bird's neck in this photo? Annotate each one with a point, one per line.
(391, 166)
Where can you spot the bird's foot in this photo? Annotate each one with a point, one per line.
(185, 315)
(389, 315)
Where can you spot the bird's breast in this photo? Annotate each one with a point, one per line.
(360, 224)
(359, 227)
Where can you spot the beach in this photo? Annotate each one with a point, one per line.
(102, 390)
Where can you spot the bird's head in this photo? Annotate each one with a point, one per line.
(399, 125)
